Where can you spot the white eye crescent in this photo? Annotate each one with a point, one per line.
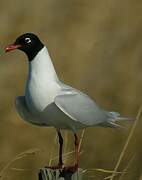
(28, 40)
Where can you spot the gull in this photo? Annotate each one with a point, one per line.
(49, 102)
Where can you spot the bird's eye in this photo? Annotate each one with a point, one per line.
(27, 40)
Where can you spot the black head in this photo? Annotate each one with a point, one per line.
(28, 43)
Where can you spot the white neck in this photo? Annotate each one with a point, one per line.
(42, 83)
(42, 66)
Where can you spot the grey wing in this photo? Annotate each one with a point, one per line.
(81, 108)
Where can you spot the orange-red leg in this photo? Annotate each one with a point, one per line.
(74, 168)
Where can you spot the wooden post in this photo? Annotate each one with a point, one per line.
(50, 174)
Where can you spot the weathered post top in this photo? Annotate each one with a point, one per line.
(50, 174)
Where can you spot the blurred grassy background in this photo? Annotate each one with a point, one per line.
(96, 46)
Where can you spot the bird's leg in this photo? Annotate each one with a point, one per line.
(60, 164)
(76, 142)
(74, 168)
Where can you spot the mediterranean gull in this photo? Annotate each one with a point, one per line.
(50, 102)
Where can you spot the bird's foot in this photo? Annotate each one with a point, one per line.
(72, 169)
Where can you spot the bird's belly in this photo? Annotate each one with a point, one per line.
(38, 99)
(36, 103)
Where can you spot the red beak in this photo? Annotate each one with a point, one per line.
(12, 47)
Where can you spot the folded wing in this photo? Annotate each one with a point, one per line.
(81, 108)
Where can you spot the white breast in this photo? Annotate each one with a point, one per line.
(41, 86)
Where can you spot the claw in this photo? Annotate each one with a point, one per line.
(71, 169)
